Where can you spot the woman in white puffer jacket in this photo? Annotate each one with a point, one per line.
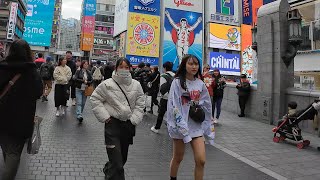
(118, 102)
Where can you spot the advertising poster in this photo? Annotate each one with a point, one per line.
(186, 5)
(12, 20)
(151, 7)
(256, 4)
(122, 44)
(250, 11)
(120, 16)
(88, 25)
(143, 35)
(224, 11)
(38, 23)
(182, 35)
(225, 37)
(228, 64)
(249, 64)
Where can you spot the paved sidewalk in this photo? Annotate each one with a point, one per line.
(73, 151)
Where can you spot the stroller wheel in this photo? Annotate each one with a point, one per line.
(306, 142)
(300, 145)
(276, 139)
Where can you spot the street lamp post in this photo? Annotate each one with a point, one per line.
(294, 21)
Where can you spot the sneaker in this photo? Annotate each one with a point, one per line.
(241, 115)
(153, 129)
(63, 110)
(80, 119)
(74, 102)
(57, 113)
(215, 121)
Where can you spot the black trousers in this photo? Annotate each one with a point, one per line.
(72, 86)
(242, 103)
(60, 95)
(11, 151)
(162, 111)
(117, 140)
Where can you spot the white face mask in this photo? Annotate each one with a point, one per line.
(123, 73)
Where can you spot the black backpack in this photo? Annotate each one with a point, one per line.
(45, 72)
(165, 88)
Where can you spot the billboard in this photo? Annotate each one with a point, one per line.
(135, 60)
(250, 11)
(120, 17)
(249, 63)
(225, 37)
(224, 11)
(12, 20)
(88, 25)
(38, 23)
(187, 5)
(143, 35)
(228, 64)
(122, 44)
(151, 7)
(182, 35)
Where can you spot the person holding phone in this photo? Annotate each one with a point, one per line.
(243, 93)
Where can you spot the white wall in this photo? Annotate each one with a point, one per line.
(307, 62)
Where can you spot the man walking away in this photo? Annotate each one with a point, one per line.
(165, 84)
(39, 61)
(97, 74)
(72, 65)
(108, 70)
(46, 74)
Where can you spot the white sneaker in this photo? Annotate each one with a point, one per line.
(215, 121)
(153, 129)
(63, 110)
(74, 102)
(57, 113)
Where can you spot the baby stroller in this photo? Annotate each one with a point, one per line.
(289, 127)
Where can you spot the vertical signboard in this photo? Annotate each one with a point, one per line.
(256, 4)
(12, 20)
(88, 25)
(120, 16)
(183, 30)
(122, 44)
(249, 64)
(250, 11)
(224, 11)
(38, 23)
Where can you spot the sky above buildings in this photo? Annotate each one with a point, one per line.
(71, 9)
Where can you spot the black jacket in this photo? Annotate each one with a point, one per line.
(244, 89)
(141, 75)
(18, 108)
(108, 70)
(72, 65)
(51, 69)
(218, 90)
(78, 78)
(155, 78)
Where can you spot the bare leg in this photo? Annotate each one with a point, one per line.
(199, 153)
(178, 152)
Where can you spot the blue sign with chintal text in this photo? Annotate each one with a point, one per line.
(151, 7)
(228, 64)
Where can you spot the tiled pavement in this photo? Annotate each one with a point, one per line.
(73, 151)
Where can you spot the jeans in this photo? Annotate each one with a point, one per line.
(216, 104)
(162, 111)
(81, 102)
(11, 155)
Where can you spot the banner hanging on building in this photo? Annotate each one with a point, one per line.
(151, 7)
(122, 44)
(250, 11)
(224, 11)
(228, 64)
(225, 37)
(88, 25)
(12, 20)
(38, 23)
(143, 35)
(120, 17)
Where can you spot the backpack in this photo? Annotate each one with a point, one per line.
(165, 88)
(97, 75)
(45, 72)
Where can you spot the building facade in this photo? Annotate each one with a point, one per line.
(56, 24)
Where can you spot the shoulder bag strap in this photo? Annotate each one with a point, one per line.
(155, 79)
(122, 92)
(9, 85)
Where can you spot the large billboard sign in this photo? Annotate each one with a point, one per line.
(183, 30)
(38, 23)
(228, 64)
(224, 11)
(88, 25)
(12, 20)
(143, 36)
(120, 17)
(250, 11)
(225, 37)
(151, 7)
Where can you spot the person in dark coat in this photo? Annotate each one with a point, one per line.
(18, 105)
(141, 75)
(153, 88)
(219, 84)
(243, 93)
(108, 70)
(72, 65)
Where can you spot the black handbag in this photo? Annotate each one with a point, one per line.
(196, 113)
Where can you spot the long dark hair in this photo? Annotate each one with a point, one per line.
(60, 60)
(20, 51)
(120, 61)
(182, 71)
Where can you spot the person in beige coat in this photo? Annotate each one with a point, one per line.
(118, 102)
(62, 74)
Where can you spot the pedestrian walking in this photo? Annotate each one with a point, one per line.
(153, 87)
(97, 74)
(219, 83)
(118, 102)
(209, 82)
(72, 88)
(39, 61)
(46, 74)
(18, 105)
(189, 118)
(83, 79)
(165, 84)
(108, 70)
(243, 93)
(141, 75)
(62, 75)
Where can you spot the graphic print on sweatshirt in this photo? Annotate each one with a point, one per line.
(191, 96)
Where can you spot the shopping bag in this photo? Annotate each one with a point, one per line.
(89, 90)
(148, 103)
(34, 142)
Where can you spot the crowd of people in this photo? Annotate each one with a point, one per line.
(118, 100)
